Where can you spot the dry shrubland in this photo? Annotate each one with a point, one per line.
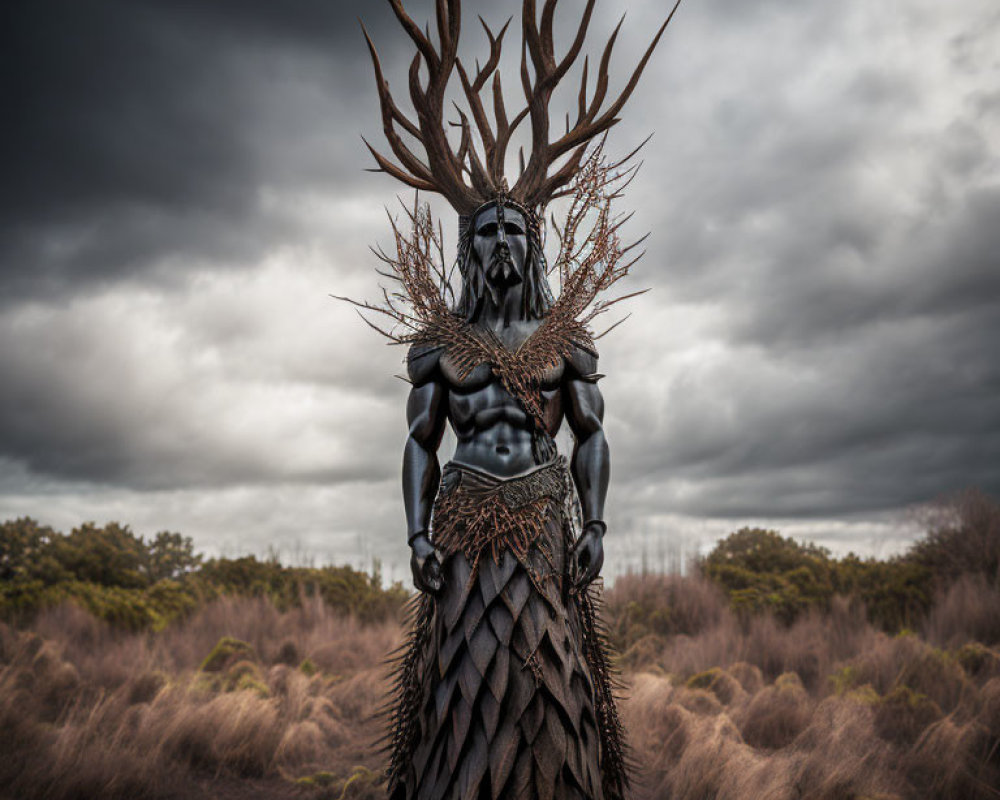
(244, 698)
(239, 691)
(828, 707)
(770, 680)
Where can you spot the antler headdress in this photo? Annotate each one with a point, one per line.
(465, 178)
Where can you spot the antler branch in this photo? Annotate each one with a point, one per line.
(473, 90)
(536, 186)
(443, 169)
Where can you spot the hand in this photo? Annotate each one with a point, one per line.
(588, 554)
(425, 563)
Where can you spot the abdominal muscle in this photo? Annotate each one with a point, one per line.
(501, 450)
(493, 431)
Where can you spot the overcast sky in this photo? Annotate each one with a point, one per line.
(183, 186)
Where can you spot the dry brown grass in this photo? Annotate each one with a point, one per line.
(969, 610)
(88, 713)
(826, 708)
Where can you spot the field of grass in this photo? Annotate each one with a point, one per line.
(776, 679)
(241, 699)
(827, 708)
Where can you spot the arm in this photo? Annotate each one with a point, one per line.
(421, 471)
(591, 462)
(426, 417)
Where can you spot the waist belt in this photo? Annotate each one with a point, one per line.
(476, 511)
(547, 481)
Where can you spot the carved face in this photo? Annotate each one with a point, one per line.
(500, 245)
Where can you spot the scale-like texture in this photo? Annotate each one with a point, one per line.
(503, 691)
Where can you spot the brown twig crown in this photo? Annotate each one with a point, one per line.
(592, 258)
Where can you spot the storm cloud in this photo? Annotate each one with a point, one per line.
(184, 185)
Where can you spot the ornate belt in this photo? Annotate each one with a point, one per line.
(476, 510)
(548, 480)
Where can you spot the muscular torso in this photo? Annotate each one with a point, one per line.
(492, 428)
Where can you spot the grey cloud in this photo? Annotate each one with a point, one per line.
(177, 390)
(844, 244)
(148, 131)
(823, 218)
(941, 263)
(141, 130)
(885, 418)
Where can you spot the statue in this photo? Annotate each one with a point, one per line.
(503, 688)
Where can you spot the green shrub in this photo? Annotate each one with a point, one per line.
(308, 668)
(762, 571)
(896, 593)
(139, 585)
(226, 651)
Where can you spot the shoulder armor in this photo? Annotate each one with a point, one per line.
(422, 362)
(583, 361)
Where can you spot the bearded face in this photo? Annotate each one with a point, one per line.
(499, 248)
(500, 245)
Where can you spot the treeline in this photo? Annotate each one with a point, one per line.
(145, 584)
(140, 584)
(762, 571)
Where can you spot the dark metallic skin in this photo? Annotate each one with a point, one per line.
(493, 431)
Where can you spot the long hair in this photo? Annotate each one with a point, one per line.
(536, 296)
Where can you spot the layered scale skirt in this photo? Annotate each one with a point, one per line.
(502, 689)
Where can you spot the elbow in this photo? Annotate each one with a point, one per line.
(592, 441)
(589, 425)
(599, 439)
(425, 431)
(421, 430)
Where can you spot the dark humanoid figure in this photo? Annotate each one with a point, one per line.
(503, 687)
(510, 700)
(495, 434)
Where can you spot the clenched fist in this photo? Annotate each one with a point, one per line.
(588, 554)
(425, 563)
